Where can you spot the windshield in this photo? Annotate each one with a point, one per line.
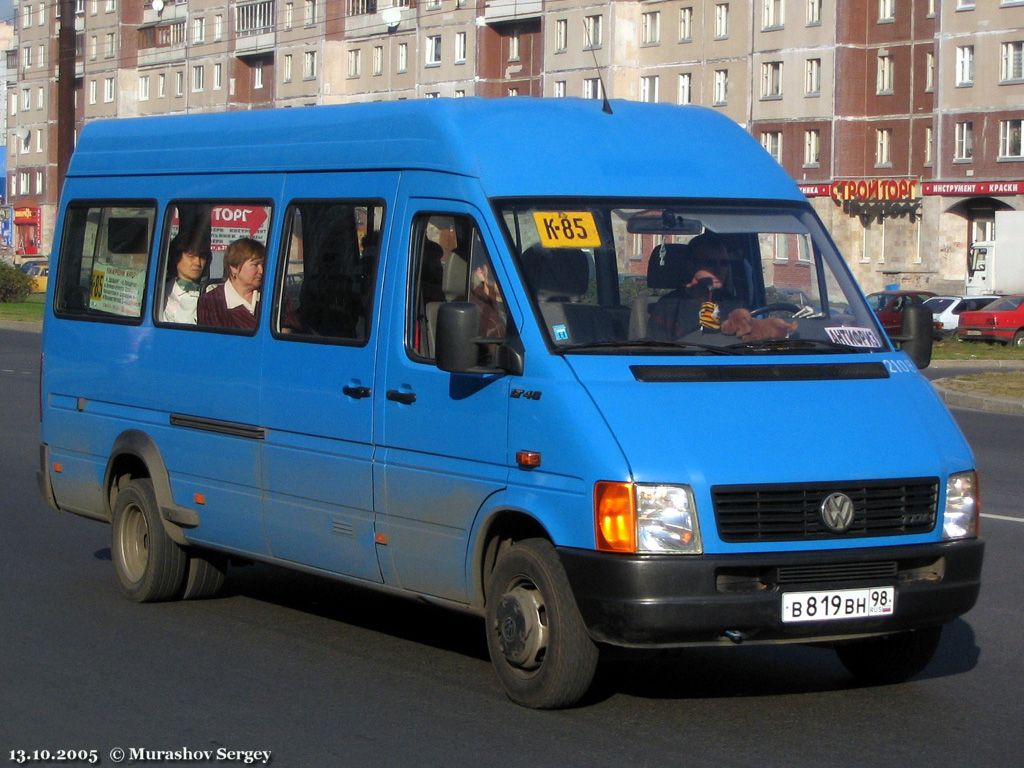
(1007, 304)
(937, 304)
(686, 278)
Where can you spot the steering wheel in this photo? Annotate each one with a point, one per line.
(781, 306)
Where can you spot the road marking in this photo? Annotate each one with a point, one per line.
(1003, 517)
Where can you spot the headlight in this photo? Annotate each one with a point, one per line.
(653, 519)
(960, 517)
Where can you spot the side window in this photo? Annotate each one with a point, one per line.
(103, 259)
(214, 255)
(330, 257)
(450, 263)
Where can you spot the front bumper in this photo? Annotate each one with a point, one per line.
(664, 601)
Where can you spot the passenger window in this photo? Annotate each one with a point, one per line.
(326, 287)
(214, 255)
(103, 259)
(450, 263)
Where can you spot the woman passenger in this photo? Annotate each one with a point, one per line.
(235, 302)
(188, 262)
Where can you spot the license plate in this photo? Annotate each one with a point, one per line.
(833, 605)
(974, 333)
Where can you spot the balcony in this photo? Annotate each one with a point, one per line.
(499, 11)
(254, 28)
(162, 42)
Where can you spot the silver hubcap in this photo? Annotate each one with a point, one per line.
(134, 543)
(522, 627)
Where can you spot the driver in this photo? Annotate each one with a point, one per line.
(694, 305)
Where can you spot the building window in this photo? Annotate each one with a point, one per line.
(721, 93)
(108, 45)
(650, 28)
(198, 29)
(218, 27)
(649, 88)
(771, 80)
(513, 46)
(592, 26)
(686, 88)
(928, 140)
(40, 97)
(884, 77)
(460, 47)
(721, 20)
(1011, 65)
(965, 5)
(218, 77)
(26, 99)
(378, 60)
(144, 88)
(813, 12)
(198, 78)
(561, 35)
(433, 50)
(592, 88)
(309, 15)
(108, 90)
(161, 86)
(39, 182)
(929, 72)
(559, 89)
(257, 76)
(685, 24)
(111, 6)
(883, 143)
(403, 57)
(460, 93)
(1010, 139)
(39, 140)
(93, 47)
(772, 142)
(812, 148)
(772, 14)
(286, 74)
(309, 65)
(963, 148)
(26, 58)
(886, 10)
(965, 65)
(812, 77)
(355, 63)
(289, 15)
(512, 92)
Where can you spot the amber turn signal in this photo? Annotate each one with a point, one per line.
(615, 516)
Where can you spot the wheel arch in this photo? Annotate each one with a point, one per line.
(503, 527)
(135, 455)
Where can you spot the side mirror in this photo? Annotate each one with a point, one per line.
(916, 338)
(458, 342)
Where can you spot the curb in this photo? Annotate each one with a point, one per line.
(986, 403)
(28, 326)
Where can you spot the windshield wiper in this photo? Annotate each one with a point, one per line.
(792, 345)
(647, 344)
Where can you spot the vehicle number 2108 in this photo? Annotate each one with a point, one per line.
(873, 602)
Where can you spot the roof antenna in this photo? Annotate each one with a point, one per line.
(605, 107)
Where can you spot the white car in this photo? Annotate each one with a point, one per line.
(947, 309)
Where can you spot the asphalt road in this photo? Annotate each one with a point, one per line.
(325, 675)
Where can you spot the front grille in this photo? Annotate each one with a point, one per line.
(792, 512)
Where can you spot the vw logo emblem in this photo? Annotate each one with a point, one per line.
(837, 512)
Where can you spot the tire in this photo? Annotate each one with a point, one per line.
(538, 643)
(205, 575)
(892, 658)
(149, 565)
(1018, 340)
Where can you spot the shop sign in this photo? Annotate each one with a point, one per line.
(28, 216)
(816, 190)
(874, 190)
(965, 188)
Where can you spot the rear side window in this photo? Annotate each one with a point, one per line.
(104, 255)
(326, 283)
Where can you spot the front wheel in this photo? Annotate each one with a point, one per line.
(891, 658)
(1018, 340)
(149, 565)
(538, 642)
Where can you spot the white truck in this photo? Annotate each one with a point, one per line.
(997, 266)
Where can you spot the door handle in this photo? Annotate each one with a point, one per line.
(356, 392)
(407, 398)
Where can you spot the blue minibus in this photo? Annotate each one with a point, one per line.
(505, 356)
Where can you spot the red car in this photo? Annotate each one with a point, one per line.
(889, 306)
(1002, 320)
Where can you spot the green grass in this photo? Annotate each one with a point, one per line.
(27, 311)
(1009, 385)
(952, 349)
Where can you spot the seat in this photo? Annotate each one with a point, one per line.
(666, 269)
(454, 274)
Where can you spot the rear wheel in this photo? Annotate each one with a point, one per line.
(538, 642)
(149, 565)
(891, 658)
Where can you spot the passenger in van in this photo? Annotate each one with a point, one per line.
(695, 305)
(188, 260)
(234, 303)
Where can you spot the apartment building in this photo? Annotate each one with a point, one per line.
(900, 119)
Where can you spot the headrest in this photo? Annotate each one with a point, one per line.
(667, 265)
(556, 272)
(453, 281)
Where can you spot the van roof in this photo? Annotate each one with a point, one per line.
(514, 146)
